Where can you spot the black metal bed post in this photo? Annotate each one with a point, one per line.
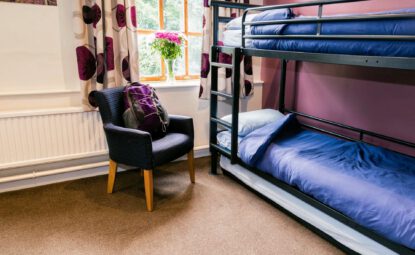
(236, 71)
(213, 110)
(214, 97)
(215, 24)
(281, 103)
(243, 28)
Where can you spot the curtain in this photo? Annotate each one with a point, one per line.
(224, 75)
(107, 50)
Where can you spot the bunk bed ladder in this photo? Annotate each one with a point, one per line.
(214, 94)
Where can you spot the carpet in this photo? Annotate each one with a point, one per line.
(214, 216)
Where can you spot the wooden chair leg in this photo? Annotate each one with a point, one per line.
(190, 161)
(148, 187)
(111, 176)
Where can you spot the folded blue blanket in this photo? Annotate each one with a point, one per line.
(350, 47)
(369, 27)
(276, 14)
(280, 14)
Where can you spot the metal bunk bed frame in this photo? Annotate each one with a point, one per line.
(285, 56)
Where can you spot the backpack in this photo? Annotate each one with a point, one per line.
(143, 110)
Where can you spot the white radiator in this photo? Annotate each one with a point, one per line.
(49, 136)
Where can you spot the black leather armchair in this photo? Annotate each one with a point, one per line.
(136, 148)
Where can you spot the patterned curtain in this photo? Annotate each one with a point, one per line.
(107, 50)
(224, 75)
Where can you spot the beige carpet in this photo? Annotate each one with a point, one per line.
(214, 216)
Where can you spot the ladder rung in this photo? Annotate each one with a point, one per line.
(221, 149)
(221, 65)
(221, 122)
(221, 94)
(227, 50)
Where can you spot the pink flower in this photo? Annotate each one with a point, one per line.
(173, 37)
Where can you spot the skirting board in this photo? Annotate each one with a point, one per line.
(24, 181)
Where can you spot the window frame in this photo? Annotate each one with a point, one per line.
(186, 32)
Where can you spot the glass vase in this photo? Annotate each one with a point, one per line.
(170, 75)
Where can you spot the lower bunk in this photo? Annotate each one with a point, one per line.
(361, 195)
(344, 237)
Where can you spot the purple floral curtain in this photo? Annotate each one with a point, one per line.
(224, 75)
(107, 50)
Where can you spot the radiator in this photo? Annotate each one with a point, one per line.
(49, 136)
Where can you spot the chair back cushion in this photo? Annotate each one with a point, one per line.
(111, 105)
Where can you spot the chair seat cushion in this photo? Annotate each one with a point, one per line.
(171, 147)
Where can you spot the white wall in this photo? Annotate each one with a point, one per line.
(69, 62)
(30, 49)
(37, 67)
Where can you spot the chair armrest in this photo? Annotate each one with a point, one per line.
(181, 124)
(129, 146)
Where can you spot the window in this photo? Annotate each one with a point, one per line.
(174, 15)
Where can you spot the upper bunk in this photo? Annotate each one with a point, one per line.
(382, 39)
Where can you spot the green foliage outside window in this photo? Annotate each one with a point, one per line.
(147, 14)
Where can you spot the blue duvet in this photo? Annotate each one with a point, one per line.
(373, 186)
(351, 47)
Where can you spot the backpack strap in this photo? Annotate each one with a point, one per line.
(154, 95)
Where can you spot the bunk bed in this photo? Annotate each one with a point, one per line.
(387, 40)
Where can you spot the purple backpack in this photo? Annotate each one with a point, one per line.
(143, 110)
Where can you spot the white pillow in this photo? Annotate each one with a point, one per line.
(236, 23)
(249, 121)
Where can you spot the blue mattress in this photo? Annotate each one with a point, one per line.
(373, 186)
(350, 47)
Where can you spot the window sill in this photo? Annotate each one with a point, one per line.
(185, 84)
(176, 84)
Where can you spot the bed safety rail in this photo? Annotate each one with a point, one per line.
(361, 132)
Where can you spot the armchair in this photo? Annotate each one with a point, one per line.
(136, 148)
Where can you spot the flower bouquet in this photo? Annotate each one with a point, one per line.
(169, 45)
